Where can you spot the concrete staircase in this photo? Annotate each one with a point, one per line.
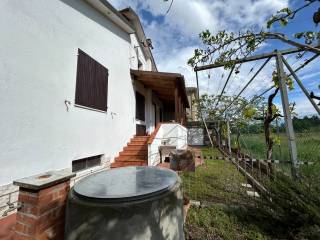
(134, 154)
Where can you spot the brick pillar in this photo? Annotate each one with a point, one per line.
(43, 200)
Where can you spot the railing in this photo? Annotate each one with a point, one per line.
(173, 133)
(11, 203)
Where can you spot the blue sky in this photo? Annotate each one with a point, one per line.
(175, 36)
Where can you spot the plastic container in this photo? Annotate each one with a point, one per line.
(126, 203)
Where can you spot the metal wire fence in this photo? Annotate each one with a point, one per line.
(308, 147)
(216, 181)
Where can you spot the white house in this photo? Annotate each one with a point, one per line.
(77, 82)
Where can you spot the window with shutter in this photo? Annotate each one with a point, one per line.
(91, 83)
(140, 107)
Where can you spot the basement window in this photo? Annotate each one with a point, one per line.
(91, 83)
(86, 163)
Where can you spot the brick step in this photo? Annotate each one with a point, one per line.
(136, 148)
(134, 152)
(131, 158)
(141, 137)
(136, 144)
(126, 164)
(139, 141)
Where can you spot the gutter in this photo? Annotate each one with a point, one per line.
(105, 8)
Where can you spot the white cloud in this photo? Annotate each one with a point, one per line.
(178, 34)
(176, 37)
(303, 106)
(191, 17)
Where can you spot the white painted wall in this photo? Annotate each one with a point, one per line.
(177, 134)
(38, 58)
(137, 54)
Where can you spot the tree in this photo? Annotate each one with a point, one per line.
(226, 47)
(212, 108)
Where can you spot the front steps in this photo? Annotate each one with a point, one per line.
(134, 154)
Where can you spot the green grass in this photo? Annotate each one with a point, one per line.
(217, 184)
(215, 181)
(207, 151)
(218, 222)
(227, 212)
(308, 146)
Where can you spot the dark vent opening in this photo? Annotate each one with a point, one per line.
(85, 163)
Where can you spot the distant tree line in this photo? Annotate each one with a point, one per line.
(305, 124)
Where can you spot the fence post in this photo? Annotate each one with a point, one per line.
(229, 140)
(287, 116)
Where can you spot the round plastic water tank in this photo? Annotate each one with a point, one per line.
(135, 203)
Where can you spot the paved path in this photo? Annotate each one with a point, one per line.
(7, 227)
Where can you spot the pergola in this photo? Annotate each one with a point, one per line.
(281, 64)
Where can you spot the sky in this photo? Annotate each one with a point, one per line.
(175, 36)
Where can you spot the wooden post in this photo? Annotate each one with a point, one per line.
(176, 103)
(180, 108)
(287, 116)
(198, 91)
(182, 114)
(251, 58)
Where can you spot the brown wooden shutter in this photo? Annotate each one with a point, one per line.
(92, 83)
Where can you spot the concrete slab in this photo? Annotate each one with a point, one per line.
(44, 180)
(7, 225)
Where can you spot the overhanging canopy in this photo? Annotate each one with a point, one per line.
(163, 84)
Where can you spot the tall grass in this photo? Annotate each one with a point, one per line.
(308, 146)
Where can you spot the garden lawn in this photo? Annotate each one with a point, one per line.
(217, 185)
(308, 146)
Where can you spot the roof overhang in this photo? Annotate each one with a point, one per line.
(163, 84)
(191, 89)
(104, 7)
(133, 17)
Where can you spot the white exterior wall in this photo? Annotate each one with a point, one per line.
(38, 62)
(177, 134)
(137, 54)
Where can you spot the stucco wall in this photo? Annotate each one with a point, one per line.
(38, 58)
(175, 133)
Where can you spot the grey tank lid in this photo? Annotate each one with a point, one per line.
(126, 184)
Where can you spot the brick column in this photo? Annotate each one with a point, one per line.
(43, 200)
